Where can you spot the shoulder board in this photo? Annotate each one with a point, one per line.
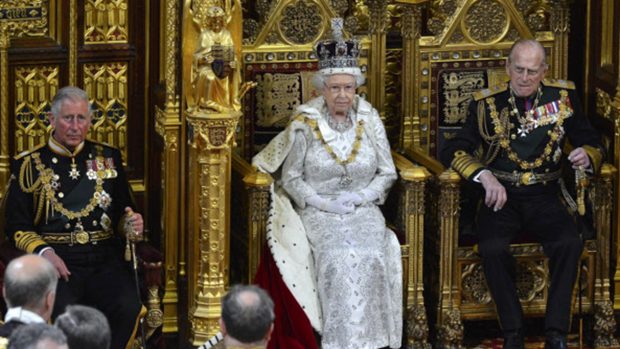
(488, 92)
(29, 151)
(559, 83)
(105, 145)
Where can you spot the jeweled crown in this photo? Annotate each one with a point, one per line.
(338, 52)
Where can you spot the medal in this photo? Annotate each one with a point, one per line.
(74, 173)
(80, 235)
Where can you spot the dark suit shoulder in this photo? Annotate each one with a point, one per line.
(7, 328)
(29, 151)
(104, 145)
(559, 83)
(105, 149)
(488, 92)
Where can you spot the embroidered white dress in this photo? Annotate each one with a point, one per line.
(356, 258)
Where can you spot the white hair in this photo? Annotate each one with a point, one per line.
(320, 77)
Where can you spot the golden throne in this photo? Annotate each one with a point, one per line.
(466, 51)
(281, 60)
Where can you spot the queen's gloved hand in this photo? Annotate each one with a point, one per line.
(333, 206)
(350, 197)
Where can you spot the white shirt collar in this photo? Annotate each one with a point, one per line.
(23, 315)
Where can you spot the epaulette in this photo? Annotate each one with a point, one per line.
(488, 92)
(102, 144)
(29, 151)
(559, 83)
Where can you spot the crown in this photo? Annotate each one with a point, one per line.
(337, 52)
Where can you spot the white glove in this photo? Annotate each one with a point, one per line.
(369, 195)
(333, 206)
(350, 198)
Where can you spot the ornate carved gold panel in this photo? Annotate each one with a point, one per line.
(34, 88)
(107, 85)
(106, 21)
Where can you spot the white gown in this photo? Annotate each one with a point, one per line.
(356, 258)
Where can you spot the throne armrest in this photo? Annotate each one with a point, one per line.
(257, 186)
(410, 221)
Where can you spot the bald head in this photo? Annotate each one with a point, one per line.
(27, 282)
(247, 313)
(527, 44)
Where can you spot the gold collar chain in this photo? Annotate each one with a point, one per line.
(359, 130)
(47, 177)
(554, 134)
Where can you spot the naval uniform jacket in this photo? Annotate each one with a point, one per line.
(537, 143)
(53, 196)
(75, 204)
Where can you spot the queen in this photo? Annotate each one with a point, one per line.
(327, 235)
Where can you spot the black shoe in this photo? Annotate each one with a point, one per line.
(555, 340)
(513, 339)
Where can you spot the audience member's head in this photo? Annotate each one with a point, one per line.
(38, 336)
(85, 327)
(247, 316)
(30, 282)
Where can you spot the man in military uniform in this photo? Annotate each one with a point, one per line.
(521, 128)
(70, 202)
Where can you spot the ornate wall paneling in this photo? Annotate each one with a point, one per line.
(25, 86)
(602, 74)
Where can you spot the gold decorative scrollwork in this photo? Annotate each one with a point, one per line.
(603, 104)
(417, 328)
(457, 89)
(531, 280)
(457, 36)
(560, 18)
(486, 21)
(474, 285)
(604, 325)
(450, 334)
(277, 96)
(34, 88)
(441, 13)
(106, 21)
(301, 22)
(537, 20)
(23, 17)
(106, 85)
(340, 6)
